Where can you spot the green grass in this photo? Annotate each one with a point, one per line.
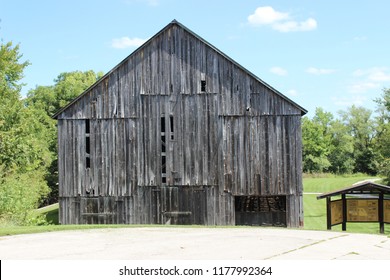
(13, 230)
(331, 182)
(51, 213)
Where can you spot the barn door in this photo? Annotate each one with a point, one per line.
(183, 205)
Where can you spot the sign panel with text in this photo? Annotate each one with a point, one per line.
(362, 210)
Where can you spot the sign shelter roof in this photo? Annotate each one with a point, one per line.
(365, 187)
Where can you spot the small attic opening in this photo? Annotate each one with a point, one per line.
(203, 85)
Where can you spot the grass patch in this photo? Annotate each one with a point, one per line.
(51, 213)
(314, 212)
(331, 182)
(13, 230)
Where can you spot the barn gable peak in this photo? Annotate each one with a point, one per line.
(176, 24)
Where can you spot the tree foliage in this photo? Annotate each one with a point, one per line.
(28, 136)
(24, 155)
(357, 141)
(343, 145)
(67, 86)
(316, 142)
(362, 128)
(382, 139)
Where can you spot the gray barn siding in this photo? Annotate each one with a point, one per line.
(237, 138)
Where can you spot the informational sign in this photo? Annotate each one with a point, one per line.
(336, 212)
(386, 211)
(362, 210)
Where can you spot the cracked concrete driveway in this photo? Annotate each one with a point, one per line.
(173, 243)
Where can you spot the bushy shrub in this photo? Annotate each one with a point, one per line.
(20, 195)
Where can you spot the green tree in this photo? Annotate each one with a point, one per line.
(24, 154)
(316, 139)
(382, 139)
(67, 86)
(362, 128)
(341, 151)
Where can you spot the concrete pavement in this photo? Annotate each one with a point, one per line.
(186, 243)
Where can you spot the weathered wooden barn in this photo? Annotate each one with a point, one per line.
(180, 133)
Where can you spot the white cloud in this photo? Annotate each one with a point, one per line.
(278, 71)
(378, 74)
(319, 71)
(126, 42)
(362, 86)
(290, 26)
(280, 21)
(266, 15)
(367, 79)
(346, 101)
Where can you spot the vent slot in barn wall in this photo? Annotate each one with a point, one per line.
(87, 144)
(260, 210)
(163, 151)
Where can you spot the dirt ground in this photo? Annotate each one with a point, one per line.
(174, 243)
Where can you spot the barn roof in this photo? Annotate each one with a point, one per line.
(170, 25)
(366, 187)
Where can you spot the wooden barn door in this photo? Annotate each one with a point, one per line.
(183, 205)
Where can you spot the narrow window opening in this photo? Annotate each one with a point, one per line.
(163, 146)
(87, 127)
(163, 164)
(163, 169)
(162, 124)
(163, 151)
(171, 123)
(171, 127)
(87, 145)
(203, 85)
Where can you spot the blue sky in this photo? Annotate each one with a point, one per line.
(329, 54)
